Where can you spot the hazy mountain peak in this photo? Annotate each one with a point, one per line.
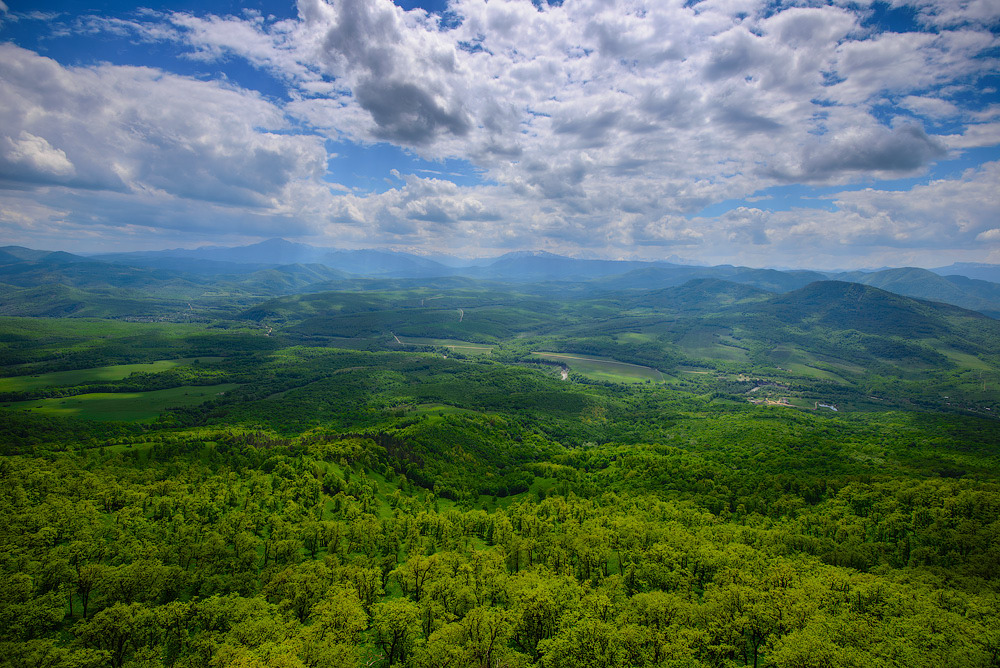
(516, 255)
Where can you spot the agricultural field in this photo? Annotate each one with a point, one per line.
(711, 344)
(802, 363)
(124, 406)
(103, 373)
(603, 369)
(464, 347)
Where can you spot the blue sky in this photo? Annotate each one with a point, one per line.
(839, 135)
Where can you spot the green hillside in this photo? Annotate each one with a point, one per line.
(703, 475)
(977, 295)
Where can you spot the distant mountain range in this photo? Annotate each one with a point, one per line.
(37, 282)
(217, 260)
(977, 270)
(960, 290)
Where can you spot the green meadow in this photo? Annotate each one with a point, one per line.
(709, 343)
(101, 373)
(464, 347)
(603, 369)
(124, 406)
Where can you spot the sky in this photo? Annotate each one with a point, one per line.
(786, 134)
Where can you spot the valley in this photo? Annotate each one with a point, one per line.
(434, 471)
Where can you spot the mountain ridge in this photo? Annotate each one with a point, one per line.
(240, 268)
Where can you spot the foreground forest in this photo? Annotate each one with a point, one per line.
(470, 475)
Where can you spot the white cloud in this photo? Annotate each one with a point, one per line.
(597, 123)
(940, 219)
(951, 13)
(975, 135)
(37, 156)
(139, 130)
(931, 107)
(873, 150)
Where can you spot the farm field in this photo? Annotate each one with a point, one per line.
(801, 363)
(708, 343)
(124, 406)
(464, 347)
(966, 360)
(113, 372)
(604, 369)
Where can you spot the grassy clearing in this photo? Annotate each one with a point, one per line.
(128, 447)
(709, 344)
(802, 363)
(602, 369)
(124, 406)
(799, 402)
(115, 372)
(814, 372)
(438, 409)
(965, 359)
(54, 337)
(463, 347)
(635, 337)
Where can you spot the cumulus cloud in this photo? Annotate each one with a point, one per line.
(37, 156)
(139, 130)
(868, 226)
(515, 89)
(873, 150)
(595, 123)
(930, 107)
(951, 13)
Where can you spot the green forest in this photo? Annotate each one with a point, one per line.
(472, 475)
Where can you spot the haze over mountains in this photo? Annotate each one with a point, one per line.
(38, 282)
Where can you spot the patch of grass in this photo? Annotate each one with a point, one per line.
(463, 347)
(802, 363)
(965, 359)
(101, 373)
(709, 343)
(124, 406)
(635, 337)
(438, 409)
(799, 402)
(602, 369)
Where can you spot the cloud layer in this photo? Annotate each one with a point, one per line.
(599, 126)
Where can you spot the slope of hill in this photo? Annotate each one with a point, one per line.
(60, 301)
(842, 305)
(662, 276)
(384, 263)
(701, 295)
(278, 252)
(974, 294)
(977, 270)
(89, 275)
(528, 266)
(11, 254)
(284, 279)
(278, 267)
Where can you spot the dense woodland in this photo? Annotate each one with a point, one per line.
(480, 477)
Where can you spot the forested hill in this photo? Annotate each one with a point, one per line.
(841, 305)
(317, 506)
(292, 467)
(206, 278)
(971, 293)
